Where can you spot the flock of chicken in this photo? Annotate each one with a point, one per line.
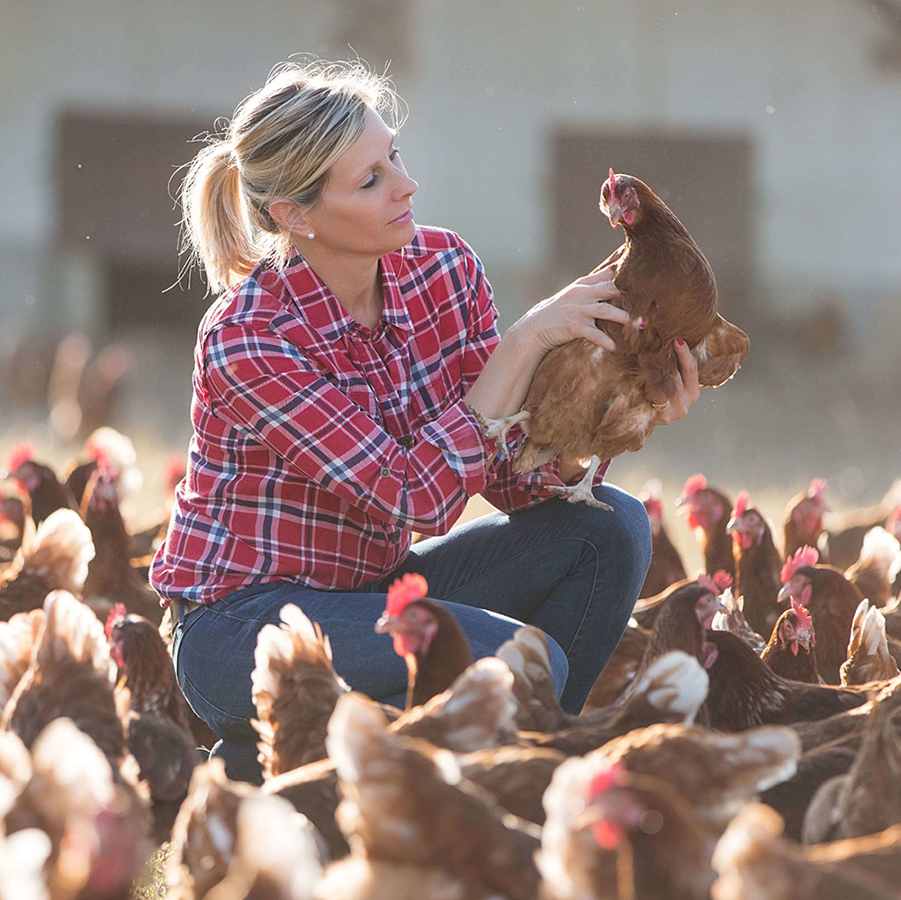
(743, 742)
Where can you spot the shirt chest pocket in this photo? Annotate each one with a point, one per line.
(433, 392)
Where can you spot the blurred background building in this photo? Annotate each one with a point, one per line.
(773, 129)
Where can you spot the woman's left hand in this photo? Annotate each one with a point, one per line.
(687, 387)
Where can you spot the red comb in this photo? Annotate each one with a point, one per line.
(18, 455)
(722, 579)
(805, 556)
(116, 612)
(741, 504)
(104, 462)
(817, 487)
(604, 780)
(653, 505)
(705, 581)
(802, 615)
(404, 591)
(612, 184)
(694, 484)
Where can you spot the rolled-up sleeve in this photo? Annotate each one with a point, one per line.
(504, 489)
(264, 385)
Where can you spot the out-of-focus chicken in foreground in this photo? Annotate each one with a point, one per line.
(55, 557)
(405, 804)
(71, 675)
(755, 863)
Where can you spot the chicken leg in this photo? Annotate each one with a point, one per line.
(581, 492)
(497, 429)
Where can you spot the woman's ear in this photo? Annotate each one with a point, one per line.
(287, 215)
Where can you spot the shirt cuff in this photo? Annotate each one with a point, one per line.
(459, 438)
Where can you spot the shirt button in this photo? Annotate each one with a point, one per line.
(393, 538)
(385, 473)
(406, 442)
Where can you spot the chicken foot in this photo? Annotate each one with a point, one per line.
(581, 492)
(497, 429)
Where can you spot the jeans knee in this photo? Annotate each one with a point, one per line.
(635, 528)
(241, 761)
(559, 665)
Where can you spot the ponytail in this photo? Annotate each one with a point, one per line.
(218, 230)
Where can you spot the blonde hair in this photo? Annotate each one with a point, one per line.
(281, 143)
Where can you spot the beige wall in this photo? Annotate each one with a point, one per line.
(487, 82)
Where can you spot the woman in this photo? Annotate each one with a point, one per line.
(340, 388)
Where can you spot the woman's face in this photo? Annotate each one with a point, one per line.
(366, 205)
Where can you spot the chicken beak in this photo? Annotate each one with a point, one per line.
(683, 506)
(805, 644)
(615, 212)
(730, 525)
(384, 625)
(785, 594)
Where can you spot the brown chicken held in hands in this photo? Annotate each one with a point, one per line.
(789, 652)
(586, 402)
(426, 635)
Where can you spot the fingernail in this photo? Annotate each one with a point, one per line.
(679, 341)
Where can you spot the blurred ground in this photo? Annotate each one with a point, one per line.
(784, 419)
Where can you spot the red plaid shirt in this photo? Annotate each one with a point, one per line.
(319, 446)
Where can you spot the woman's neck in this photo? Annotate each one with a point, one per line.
(356, 285)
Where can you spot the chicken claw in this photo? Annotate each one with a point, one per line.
(496, 430)
(581, 492)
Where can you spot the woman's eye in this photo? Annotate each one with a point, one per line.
(395, 152)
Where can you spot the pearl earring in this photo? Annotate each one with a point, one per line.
(311, 235)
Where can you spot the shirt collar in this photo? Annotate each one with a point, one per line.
(314, 304)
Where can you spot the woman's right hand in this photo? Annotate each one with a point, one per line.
(571, 313)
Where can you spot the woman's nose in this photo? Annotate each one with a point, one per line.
(409, 186)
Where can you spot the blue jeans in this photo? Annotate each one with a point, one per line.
(569, 569)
